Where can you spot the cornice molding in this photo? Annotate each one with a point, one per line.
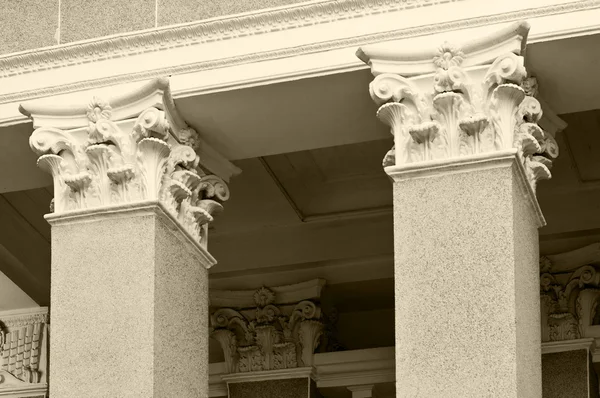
(276, 20)
(216, 29)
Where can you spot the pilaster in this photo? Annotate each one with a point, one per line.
(467, 158)
(132, 203)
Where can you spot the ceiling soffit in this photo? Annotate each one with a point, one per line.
(334, 180)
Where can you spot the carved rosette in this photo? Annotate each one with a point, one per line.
(460, 116)
(268, 337)
(128, 161)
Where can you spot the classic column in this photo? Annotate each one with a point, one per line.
(129, 294)
(468, 154)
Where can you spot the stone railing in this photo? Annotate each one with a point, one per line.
(24, 355)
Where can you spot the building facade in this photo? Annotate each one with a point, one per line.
(355, 198)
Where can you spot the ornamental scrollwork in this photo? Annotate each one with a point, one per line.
(128, 161)
(267, 336)
(570, 293)
(463, 115)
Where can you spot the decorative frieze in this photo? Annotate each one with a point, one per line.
(570, 292)
(281, 329)
(461, 108)
(23, 357)
(105, 154)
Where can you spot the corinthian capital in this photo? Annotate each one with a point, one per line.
(135, 148)
(458, 102)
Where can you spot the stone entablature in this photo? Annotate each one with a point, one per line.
(269, 328)
(23, 353)
(461, 102)
(570, 293)
(132, 149)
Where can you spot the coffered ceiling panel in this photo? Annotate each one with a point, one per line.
(334, 180)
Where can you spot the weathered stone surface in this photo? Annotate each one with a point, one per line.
(81, 20)
(27, 24)
(467, 309)
(179, 11)
(129, 306)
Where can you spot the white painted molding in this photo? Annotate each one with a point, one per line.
(332, 369)
(195, 56)
(588, 344)
(224, 28)
(383, 57)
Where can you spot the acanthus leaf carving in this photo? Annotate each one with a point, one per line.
(569, 300)
(117, 162)
(269, 336)
(463, 116)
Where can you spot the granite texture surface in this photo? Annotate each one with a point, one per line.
(466, 271)
(27, 24)
(565, 375)
(82, 20)
(179, 11)
(283, 388)
(128, 309)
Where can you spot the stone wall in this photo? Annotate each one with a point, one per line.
(28, 24)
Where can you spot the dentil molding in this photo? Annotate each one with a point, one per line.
(460, 102)
(134, 148)
(23, 352)
(217, 29)
(259, 34)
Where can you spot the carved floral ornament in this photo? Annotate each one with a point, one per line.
(128, 161)
(570, 294)
(267, 337)
(464, 115)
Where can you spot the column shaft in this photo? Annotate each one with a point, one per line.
(467, 307)
(129, 315)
